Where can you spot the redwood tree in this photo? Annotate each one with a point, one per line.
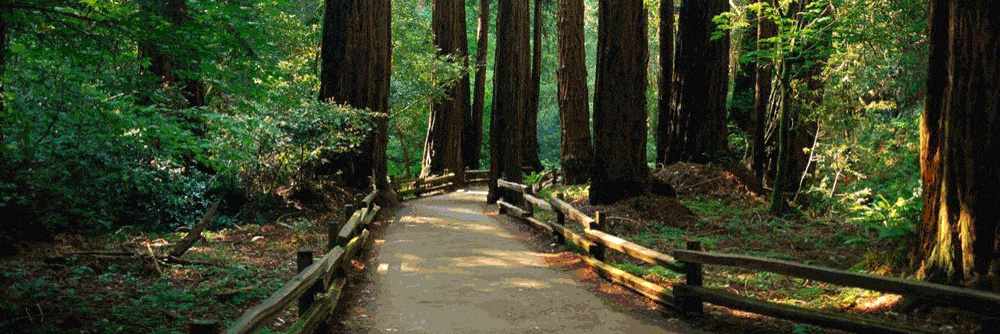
(510, 89)
(531, 116)
(666, 86)
(766, 29)
(472, 135)
(574, 110)
(356, 58)
(443, 147)
(698, 123)
(164, 65)
(959, 156)
(619, 169)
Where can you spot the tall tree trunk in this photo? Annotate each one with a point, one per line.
(4, 53)
(163, 65)
(698, 128)
(379, 24)
(531, 117)
(666, 84)
(510, 93)
(4, 122)
(443, 147)
(355, 71)
(4, 49)
(959, 155)
(765, 74)
(472, 137)
(620, 170)
(744, 76)
(574, 110)
(779, 203)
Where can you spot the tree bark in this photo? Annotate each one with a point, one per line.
(959, 157)
(698, 127)
(666, 84)
(355, 71)
(443, 147)
(619, 169)
(531, 117)
(3, 63)
(164, 65)
(574, 110)
(744, 76)
(510, 90)
(472, 137)
(765, 73)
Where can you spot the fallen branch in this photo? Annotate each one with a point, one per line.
(156, 263)
(195, 233)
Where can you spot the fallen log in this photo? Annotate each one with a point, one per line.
(195, 233)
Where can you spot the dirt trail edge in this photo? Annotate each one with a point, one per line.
(446, 266)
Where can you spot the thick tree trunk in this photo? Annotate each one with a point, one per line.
(779, 204)
(381, 49)
(765, 74)
(698, 127)
(531, 117)
(744, 76)
(574, 110)
(355, 71)
(510, 92)
(959, 157)
(443, 147)
(472, 136)
(4, 49)
(620, 169)
(666, 84)
(164, 65)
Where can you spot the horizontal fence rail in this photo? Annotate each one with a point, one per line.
(690, 296)
(324, 278)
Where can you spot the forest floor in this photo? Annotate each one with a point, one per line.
(109, 284)
(721, 207)
(450, 263)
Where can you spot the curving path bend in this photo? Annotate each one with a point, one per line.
(447, 265)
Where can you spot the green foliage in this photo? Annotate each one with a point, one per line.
(91, 143)
(872, 176)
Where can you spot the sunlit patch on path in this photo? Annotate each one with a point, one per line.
(445, 266)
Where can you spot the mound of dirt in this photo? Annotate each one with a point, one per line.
(690, 178)
(643, 213)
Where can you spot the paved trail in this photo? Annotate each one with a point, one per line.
(446, 266)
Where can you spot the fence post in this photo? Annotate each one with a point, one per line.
(599, 224)
(304, 258)
(500, 208)
(417, 185)
(693, 277)
(561, 220)
(334, 228)
(529, 208)
(204, 327)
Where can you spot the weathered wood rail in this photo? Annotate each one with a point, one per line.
(689, 297)
(317, 287)
(448, 181)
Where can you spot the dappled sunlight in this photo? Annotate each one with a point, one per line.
(457, 225)
(468, 195)
(509, 259)
(522, 283)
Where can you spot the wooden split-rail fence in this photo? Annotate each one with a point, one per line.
(317, 287)
(690, 296)
(447, 181)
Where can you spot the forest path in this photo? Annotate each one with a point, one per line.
(448, 265)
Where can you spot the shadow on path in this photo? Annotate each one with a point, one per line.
(447, 265)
